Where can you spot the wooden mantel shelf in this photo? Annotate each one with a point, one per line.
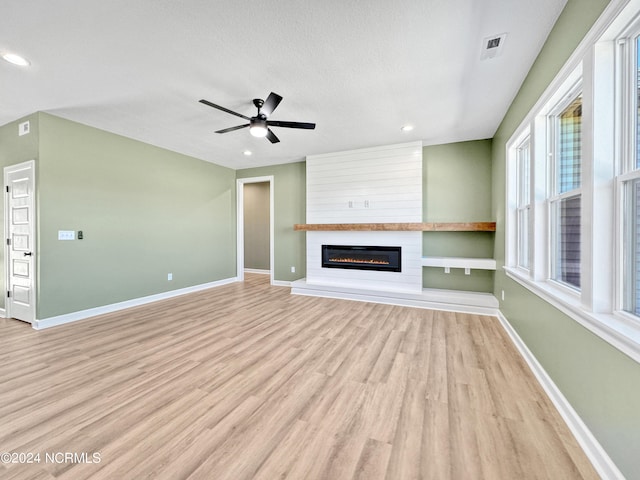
(399, 227)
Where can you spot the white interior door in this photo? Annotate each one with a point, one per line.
(20, 241)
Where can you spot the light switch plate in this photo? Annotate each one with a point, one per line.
(66, 235)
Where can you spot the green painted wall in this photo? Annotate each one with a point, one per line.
(144, 211)
(602, 384)
(456, 181)
(290, 208)
(466, 167)
(16, 149)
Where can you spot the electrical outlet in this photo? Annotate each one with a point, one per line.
(169, 276)
(293, 269)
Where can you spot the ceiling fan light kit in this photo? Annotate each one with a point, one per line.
(259, 124)
(258, 127)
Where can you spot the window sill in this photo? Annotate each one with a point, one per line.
(618, 329)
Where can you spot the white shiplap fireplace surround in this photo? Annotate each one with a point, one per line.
(373, 185)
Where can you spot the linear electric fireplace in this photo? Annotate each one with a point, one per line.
(362, 257)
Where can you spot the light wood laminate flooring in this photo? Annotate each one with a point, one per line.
(246, 381)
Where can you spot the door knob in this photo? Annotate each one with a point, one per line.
(27, 254)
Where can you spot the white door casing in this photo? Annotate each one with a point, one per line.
(20, 274)
(240, 224)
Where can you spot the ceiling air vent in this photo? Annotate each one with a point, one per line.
(492, 46)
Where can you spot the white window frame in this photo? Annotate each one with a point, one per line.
(627, 168)
(555, 198)
(523, 205)
(513, 179)
(540, 129)
(598, 304)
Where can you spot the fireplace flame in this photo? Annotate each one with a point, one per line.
(359, 260)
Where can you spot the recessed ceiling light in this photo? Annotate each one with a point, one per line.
(16, 59)
(406, 128)
(247, 153)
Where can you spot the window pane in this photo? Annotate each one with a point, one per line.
(569, 151)
(523, 174)
(523, 238)
(524, 200)
(632, 248)
(567, 241)
(637, 87)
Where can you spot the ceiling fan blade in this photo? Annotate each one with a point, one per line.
(277, 123)
(271, 103)
(231, 129)
(272, 136)
(207, 102)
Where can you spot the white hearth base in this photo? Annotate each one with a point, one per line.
(436, 299)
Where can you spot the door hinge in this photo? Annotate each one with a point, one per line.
(7, 188)
(8, 241)
(8, 293)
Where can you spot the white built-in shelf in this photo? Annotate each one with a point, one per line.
(460, 262)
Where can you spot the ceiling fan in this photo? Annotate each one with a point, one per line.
(259, 125)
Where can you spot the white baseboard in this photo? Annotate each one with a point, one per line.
(435, 299)
(592, 448)
(281, 283)
(257, 270)
(3, 313)
(114, 307)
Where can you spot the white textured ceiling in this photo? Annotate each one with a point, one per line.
(358, 69)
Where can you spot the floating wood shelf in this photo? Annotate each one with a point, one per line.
(399, 227)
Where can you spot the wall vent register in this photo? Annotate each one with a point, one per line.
(358, 257)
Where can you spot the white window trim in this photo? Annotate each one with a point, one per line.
(570, 90)
(523, 205)
(511, 225)
(597, 306)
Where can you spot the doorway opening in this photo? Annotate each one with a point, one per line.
(255, 242)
